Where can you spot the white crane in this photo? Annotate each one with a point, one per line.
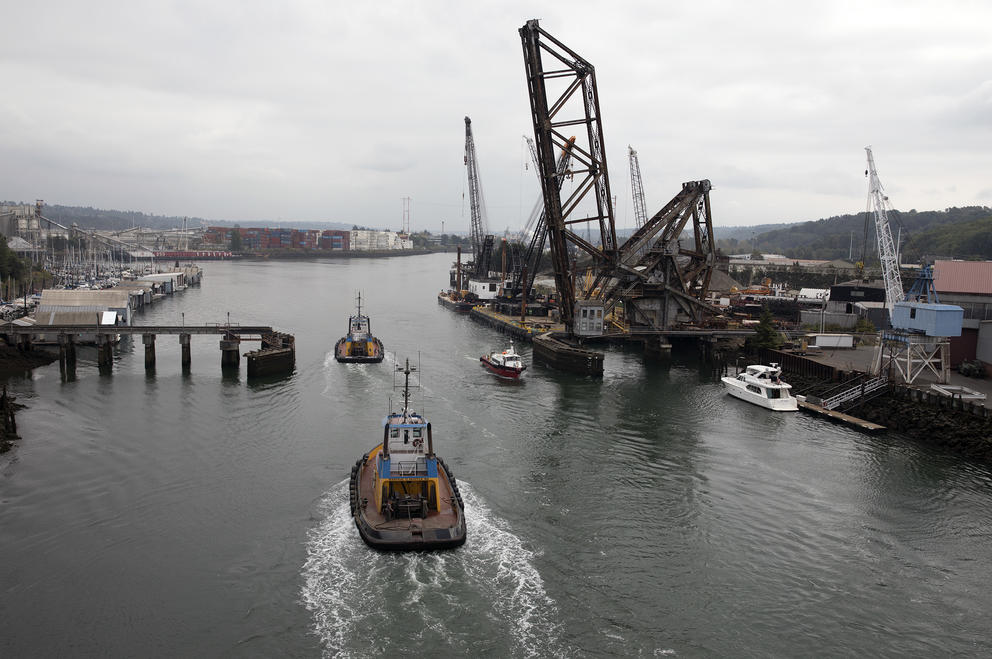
(886, 247)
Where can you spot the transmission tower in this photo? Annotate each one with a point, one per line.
(405, 229)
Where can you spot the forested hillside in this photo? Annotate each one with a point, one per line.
(955, 232)
(113, 220)
(109, 220)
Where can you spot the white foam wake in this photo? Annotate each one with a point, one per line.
(485, 595)
(500, 563)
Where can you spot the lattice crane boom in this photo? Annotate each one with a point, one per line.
(637, 188)
(524, 280)
(477, 203)
(886, 246)
(533, 156)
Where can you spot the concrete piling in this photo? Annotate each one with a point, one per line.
(656, 348)
(104, 351)
(184, 343)
(149, 341)
(229, 352)
(67, 353)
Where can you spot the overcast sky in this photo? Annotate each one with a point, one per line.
(327, 111)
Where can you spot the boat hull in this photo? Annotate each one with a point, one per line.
(341, 353)
(500, 370)
(789, 404)
(458, 306)
(439, 530)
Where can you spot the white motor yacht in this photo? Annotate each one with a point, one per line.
(762, 385)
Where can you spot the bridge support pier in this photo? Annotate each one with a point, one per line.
(657, 348)
(149, 341)
(186, 359)
(67, 353)
(104, 351)
(230, 357)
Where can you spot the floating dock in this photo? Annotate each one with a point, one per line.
(840, 417)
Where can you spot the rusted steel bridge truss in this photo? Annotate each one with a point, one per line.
(575, 102)
(652, 264)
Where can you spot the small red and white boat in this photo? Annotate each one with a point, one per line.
(506, 363)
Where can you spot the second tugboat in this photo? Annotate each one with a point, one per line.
(359, 345)
(506, 364)
(403, 497)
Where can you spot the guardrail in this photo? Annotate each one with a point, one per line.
(855, 393)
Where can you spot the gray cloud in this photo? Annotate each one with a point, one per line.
(254, 110)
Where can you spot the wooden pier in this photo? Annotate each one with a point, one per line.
(276, 354)
(840, 417)
(516, 328)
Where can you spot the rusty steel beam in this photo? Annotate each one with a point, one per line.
(576, 105)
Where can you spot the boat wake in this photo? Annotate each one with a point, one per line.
(485, 598)
(363, 377)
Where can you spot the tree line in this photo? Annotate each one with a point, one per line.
(964, 233)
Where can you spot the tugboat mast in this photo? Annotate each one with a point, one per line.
(406, 370)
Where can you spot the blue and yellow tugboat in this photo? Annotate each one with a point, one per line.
(359, 345)
(403, 496)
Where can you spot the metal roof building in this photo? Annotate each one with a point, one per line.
(968, 277)
(64, 300)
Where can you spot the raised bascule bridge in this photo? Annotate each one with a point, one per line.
(655, 284)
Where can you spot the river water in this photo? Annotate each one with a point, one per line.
(643, 514)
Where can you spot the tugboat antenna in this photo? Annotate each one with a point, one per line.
(406, 370)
